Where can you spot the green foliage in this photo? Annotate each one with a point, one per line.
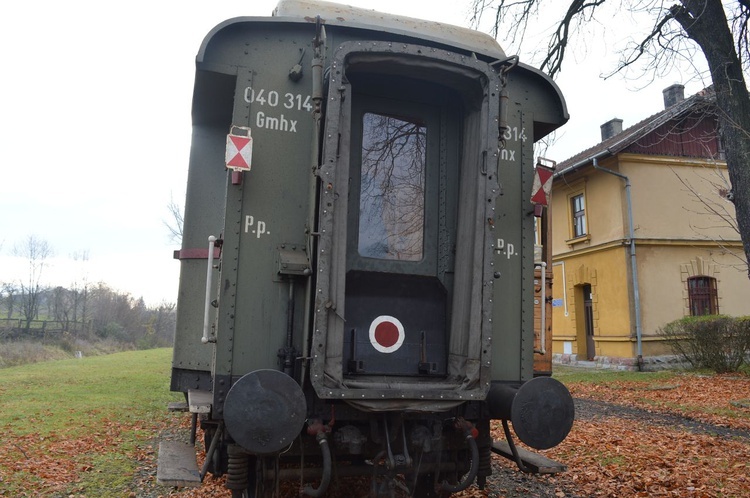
(112, 330)
(716, 342)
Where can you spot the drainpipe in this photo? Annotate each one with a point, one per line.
(565, 290)
(633, 265)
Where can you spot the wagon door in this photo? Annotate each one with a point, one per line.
(404, 238)
(399, 244)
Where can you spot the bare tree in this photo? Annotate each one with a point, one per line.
(719, 30)
(163, 322)
(80, 294)
(175, 222)
(36, 252)
(61, 304)
(9, 295)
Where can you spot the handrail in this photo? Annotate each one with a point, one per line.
(543, 335)
(209, 277)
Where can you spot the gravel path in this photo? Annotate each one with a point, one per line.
(590, 409)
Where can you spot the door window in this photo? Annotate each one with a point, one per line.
(392, 188)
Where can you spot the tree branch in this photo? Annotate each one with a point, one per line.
(641, 48)
(552, 64)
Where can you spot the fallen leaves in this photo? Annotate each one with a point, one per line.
(714, 399)
(610, 455)
(52, 463)
(616, 457)
(613, 456)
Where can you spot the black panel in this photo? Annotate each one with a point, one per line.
(418, 303)
(213, 99)
(183, 379)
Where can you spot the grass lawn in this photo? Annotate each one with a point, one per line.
(80, 426)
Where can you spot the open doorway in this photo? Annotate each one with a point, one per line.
(588, 317)
(584, 313)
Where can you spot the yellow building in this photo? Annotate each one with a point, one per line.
(644, 234)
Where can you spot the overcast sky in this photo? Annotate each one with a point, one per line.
(95, 126)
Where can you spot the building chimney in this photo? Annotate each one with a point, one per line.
(673, 94)
(611, 128)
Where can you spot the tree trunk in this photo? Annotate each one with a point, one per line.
(705, 22)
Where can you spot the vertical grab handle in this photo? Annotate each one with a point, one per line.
(209, 274)
(543, 314)
(543, 309)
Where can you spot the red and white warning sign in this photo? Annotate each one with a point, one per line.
(239, 154)
(542, 185)
(386, 334)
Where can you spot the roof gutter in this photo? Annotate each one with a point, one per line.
(633, 265)
(582, 162)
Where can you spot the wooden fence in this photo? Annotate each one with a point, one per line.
(15, 328)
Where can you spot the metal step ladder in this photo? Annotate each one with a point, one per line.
(176, 464)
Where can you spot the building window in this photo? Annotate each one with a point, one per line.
(578, 211)
(703, 296)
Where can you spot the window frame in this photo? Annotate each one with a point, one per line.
(364, 103)
(578, 215)
(573, 236)
(703, 296)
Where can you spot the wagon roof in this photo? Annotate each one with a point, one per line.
(433, 33)
(347, 15)
(333, 14)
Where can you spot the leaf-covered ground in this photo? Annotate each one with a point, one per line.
(683, 435)
(686, 437)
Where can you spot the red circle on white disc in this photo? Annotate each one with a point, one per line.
(386, 334)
